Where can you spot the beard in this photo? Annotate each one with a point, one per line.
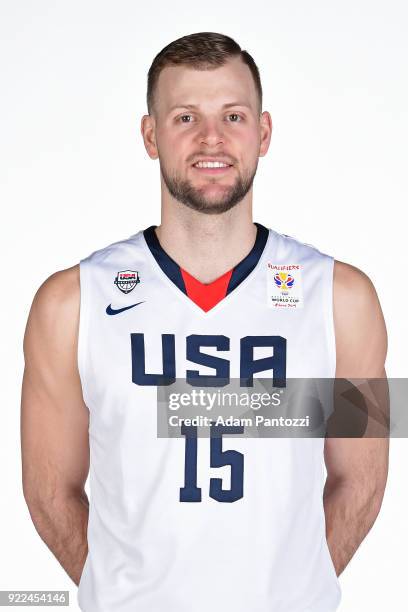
(183, 191)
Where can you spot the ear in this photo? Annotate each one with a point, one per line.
(266, 133)
(148, 131)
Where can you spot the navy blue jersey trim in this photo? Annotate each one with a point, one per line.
(168, 265)
(245, 267)
(172, 269)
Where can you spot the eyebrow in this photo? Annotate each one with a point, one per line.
(227, 105)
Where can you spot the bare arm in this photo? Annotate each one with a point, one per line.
(356, 467)
(54, 422)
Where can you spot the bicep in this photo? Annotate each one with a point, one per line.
(54, 418)
(361, 347)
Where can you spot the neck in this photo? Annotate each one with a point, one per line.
(204, 245)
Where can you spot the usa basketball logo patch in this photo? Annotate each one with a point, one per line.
(284, 286)
(126, 280)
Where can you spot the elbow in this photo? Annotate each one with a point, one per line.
(376, 498)
(37, 502)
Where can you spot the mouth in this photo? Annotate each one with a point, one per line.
(212, 167)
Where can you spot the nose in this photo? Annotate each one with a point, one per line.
(211, 132)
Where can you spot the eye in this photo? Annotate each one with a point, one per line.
(188, 117)
(237, 119)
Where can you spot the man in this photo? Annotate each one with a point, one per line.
(179, 523)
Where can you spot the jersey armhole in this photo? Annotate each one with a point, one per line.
(83, 331)
(329, 310)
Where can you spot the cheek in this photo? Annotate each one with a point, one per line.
(252, 141)
(171, 150)
(247, 142)
(171, 162)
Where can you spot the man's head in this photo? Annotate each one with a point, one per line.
(204, 99)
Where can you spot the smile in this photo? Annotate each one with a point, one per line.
(210, 164)
(212, 167)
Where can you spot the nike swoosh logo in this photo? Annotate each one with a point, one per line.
(112, 311)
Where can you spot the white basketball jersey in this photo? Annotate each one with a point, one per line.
(164, 536)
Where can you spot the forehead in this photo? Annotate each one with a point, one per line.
(183, 85)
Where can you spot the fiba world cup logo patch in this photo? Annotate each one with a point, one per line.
(284, 285)
(126, 280)
(284, 281)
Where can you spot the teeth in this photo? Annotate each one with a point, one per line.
(208, 164)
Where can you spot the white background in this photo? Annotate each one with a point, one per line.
(75, 177)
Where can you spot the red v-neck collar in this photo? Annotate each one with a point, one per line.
(206, 295)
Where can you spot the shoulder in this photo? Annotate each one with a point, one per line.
(352, 288)
(361, 337)
(54, 311)
(59, 290)
(287, 247)
(111, 252)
